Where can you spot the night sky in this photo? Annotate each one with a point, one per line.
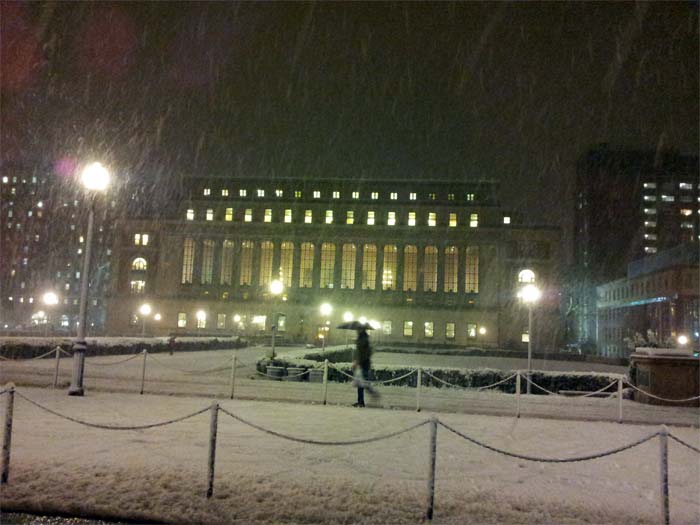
(513, 92)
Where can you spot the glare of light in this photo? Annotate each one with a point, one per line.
(40, 314)
(682, 340)
(95, 177)
(201, 315)
(326, 309)
(530, 293)
(145, 309)
(50, 298)
(236, 318)
(363, 319)
(348, 317)
(276, 287)
(321, 336)
(157, 317)
(482, 330)
(374, 324)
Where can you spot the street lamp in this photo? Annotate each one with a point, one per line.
(276, 288)
(682, 340)
(95, 179)
(145, 311)
(529, 294)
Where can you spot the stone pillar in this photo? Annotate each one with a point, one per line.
(255, 276)
(276, 257)
(296, 264)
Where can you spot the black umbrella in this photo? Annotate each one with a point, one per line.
(355, 325)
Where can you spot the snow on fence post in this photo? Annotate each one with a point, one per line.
(7, 434)
(419, 382)
(143, 370)
(619, 399)
(517, 393)
(212, 447)
(325, 381)
(58, 363)
(431, 472)
(233, 374)
(663, 468)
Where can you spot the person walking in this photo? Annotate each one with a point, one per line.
(361, 364)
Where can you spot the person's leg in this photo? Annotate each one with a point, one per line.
(360, 396)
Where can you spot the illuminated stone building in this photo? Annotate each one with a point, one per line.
(428, 262)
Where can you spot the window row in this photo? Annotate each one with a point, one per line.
(369, 218)
(346, 266)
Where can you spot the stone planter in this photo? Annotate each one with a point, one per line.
(275, 372)
(295, 374)
(315, 375)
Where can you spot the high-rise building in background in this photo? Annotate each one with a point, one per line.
(628, 204)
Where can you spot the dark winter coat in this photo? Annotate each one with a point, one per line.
(362, 350)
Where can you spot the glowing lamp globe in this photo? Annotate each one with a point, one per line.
(326, 309)
(95, 177)
(145, 309)
(276, 287)
(530, 294)
(348, 317)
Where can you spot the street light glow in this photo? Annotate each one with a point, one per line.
(482, 330)
(326, 309)
(348, 317)
(374, 324)
(157, 317)
(201, 315)
(276, 287)
(682, 340)
(363, 320)
(145, 309)
(530, 293)
(95, 177)
(236, 318)
(50, 298)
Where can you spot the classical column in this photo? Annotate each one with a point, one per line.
(380, 267)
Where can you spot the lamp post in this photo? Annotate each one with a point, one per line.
(95, 179)
(145, 311)
(529, 294)
(276, 289)
(326, 310)
(49, 299)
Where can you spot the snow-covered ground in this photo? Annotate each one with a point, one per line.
(60, 466)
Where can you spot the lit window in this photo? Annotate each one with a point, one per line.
(297, 194)
(329, 216)
(451, 269)
(242, 193)
(267, 249)
(375, 195)
(506, 219)
(144, 239)
(650, 211)
(428, 329)
(389, 270)
(685, 185)
(650, 198)
(449, 330)
(432, 196)
(412, 196)
(526, 276)
(687, 225)
(228, 216)
(453, 220)
(667, 198)
(4, 180)
(308, 216)
(221, 321)
(81, 239)
(650, 224)
(386, 327)
(336, 194)
(430, 269)
(261, 193)
(470, 196)
(306, 265)
(408, 328)
(369, 267)
(525, 337)
(649, 249)
(137, 239)
(450, 196)
(393, 196)
(686, 212)
(411, 218)
(207, 191)
(187, 260)
(391, 218)
(473, 220)
(317, 194)
(224, 192)
(245, 277)
(432, 219)
(471, 331)
(210, 214)
(355, 194)
(650, 236)
(649, 185)
(287, 215)
(268, 215)
(279, 193)
(370, 218)
(248, 216)
(201, 319)
(347, 275)
(190, 215)
(350, 217)
(327, 265)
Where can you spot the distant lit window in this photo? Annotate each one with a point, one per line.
(144, 239)
(248, 215)
(650, 236)
(336, 194)
(526, 276)
(268, 215)
(650, 211)
(375, 195)
(370, 218)
(450, 196)
(412, 196)
(386, 327)
(279, 193)
(650, 224)
(408, 328)
(287, 215)
(228, 215)
(525, 337)
(432, 196)
(329, 216)
(411, 218)
(224, 192)
(449, 330)
(685, 185)
(432, 218)
(650, 198)
(649, 185)
(393, 195)
(687, 225)
(317, 194)
(190, 215)
(473, 220)
(506, 219)
(649, 249)
(210, 214)
(471, 330)
(428, 329)
(297, 194)
(668, 198)
(355, 194)
(261, 193)
(137, 239)
(242, 193)
(686, 212)
(221, 321)
(350, 217)
(391, 218)
(207, 191)
(308, 217)
(453, 220)
(201, 320)
(470, 196)
(137, 286)
(139, 264)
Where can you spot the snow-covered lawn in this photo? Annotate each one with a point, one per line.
(60, 466)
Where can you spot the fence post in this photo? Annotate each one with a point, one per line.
(233, 374)
(143, 369)
(517, 393)
(419, 382)
(431, 473)
(7, 434)
(619, 400)
(58, 362)
(212, 446)
(663, 468)
(325, 381)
